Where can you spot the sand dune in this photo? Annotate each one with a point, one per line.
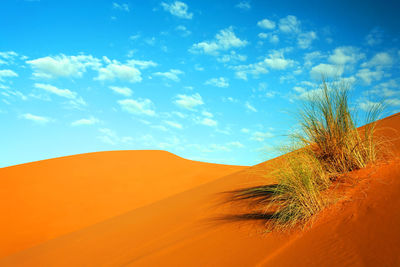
(46, 199)
(177, 227)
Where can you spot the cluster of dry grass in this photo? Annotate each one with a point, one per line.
(327, 146)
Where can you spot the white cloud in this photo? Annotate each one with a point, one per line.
(266, 24)
(289, 24)
(381, 59)
(198, 67)
(76, 103)
(54, 90)
(7, 57)
(261, 136)
(250, 107)
(110, 137)
(35, 118)
(115, 70)
(172, 74)
(375, 37)
(393, 102)
(63, 66)
(9, 93)
(304, 94)
(305, 39)
(141, 64)
(310, 94)
(179, 114)
(263, 35)
(207, 114)
(224, 40)
(245, 5)
(245, 130)
(317, 92)
(229, 99)
(8, 54)
(367, 105)
(189, 101)
(271, 94)
(150, 41)
(183, 30)
(348, 80)
(235, 144)
(85, 121)
(74, 100)
(232, 57)
(255, 69)
(218, 82)
(276, 60)
(208, 122)
(272, 38)
(7, 73)
(299, 89)
(385, 89)
(178, 9)
(368, 76)
(327, 70)
(345, 55)
(159, 127)
(309, 58)
(216, 147)
(174, 124)
(123, 7)
(134, 37)
(140, 106)
(125, 91)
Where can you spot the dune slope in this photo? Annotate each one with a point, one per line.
(175, 231)
(45, 199)
(363, 232)
(179, 230)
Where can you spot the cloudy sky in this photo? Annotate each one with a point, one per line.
(216, 81)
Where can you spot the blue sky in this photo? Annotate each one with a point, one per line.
(216, 81)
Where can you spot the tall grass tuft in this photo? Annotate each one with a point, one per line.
(328, 145)
(297, 196)
(328, 128)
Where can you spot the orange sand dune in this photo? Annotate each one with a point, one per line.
(45, 199)
(179, 230)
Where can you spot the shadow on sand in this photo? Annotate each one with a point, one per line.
(250, 203)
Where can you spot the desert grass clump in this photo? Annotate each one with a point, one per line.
(294, 199)
(297, 196)
(329, 129)
(327, 146)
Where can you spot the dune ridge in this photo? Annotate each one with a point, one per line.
(179, 229)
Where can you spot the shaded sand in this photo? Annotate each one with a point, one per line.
(45, 199)
(179, 230)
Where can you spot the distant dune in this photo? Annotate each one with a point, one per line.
(45, 199)
(151, 208)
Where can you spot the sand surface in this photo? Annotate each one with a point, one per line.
(151, 208)
(46, 199)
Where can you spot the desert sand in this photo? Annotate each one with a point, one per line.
(152, 208)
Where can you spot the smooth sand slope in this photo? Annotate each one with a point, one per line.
(179, 230)
(45, 199)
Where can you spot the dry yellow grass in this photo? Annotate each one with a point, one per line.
(327, 145)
